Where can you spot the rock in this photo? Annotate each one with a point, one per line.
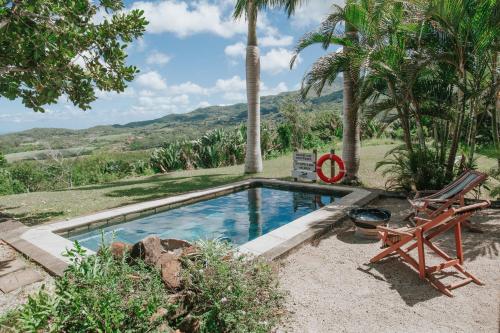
(119, 249)
(172, 244)
(190, 324)
(187, 251)
(171, 273)
(149, 249)
(165, 258)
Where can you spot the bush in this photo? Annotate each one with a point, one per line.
(63, 173)
(417, 170)
(3, 160)
(29, 176)
(96, 294)
(222, 293)
(231, 293)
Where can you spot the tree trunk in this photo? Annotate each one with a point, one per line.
(351, 127)
(420, 132)
(495, 112)
(405, 124)
(458, 127)
(253, 158)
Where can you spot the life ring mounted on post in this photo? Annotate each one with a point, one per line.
(333, 158)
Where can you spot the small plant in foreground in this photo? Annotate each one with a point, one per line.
(221, 292)
(231, 293)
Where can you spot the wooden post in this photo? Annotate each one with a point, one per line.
(315, 152)
(332, 164)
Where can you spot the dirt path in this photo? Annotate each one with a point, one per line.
(333, 288)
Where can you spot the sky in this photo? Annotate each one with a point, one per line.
(191, 56)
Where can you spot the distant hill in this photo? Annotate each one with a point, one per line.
(151, 133)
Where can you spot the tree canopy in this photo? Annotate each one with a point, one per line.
(50, 48)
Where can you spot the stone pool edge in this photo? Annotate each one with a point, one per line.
(44, 245)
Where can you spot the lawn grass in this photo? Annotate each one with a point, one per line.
(41, 207)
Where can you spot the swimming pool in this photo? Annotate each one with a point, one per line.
(238, 217)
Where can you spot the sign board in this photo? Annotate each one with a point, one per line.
(304, 166)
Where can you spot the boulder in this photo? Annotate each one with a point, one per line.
(119, 249)
(187, 251)
(170, 267)
(149, 249)
(173, 245)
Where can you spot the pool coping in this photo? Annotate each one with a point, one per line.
(45, 245)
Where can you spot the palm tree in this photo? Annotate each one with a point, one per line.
(360, 20)
(250, 8)
(465, 29)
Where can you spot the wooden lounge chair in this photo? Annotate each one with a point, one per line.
(435, 202)
(421, 235)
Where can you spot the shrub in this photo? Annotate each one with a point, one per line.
(231, 293)
(96, 294)
(222, 292)
(417, 170)
(3, 160)
(29, 175)
(6, 182)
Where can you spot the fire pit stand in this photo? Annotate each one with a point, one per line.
(366, 221)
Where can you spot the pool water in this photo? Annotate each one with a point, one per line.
(237, 217)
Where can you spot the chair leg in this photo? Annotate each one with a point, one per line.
(391, 249)
(439, 286)
(421, 254)
(458, 243)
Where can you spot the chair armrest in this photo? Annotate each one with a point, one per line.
(394, 231)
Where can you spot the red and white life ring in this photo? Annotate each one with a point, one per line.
(333, 158)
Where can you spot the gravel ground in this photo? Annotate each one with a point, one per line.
(332, 287)
(19, 296)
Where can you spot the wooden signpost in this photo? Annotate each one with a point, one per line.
(304, 166)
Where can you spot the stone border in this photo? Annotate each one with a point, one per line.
(45, 245)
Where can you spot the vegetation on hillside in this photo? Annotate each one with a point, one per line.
(153, 133)
(295, 128)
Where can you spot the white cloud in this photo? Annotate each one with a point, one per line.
(236, 50)
(157, 58)
(188, 18)
(313, 12)
(188, 88)
(233, 84)
(152, 80)
(203, 104)
(270, 41)
(266, 91)
(277, 60)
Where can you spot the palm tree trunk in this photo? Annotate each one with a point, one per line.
(495, 112)
(405, 124)
(253, 157)
(458, 126)
(351, 142)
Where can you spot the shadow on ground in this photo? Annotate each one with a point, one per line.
(159, 188)
(32, 219)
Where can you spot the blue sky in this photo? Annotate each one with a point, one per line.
(192, 55)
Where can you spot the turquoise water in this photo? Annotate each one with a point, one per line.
(238, 217)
